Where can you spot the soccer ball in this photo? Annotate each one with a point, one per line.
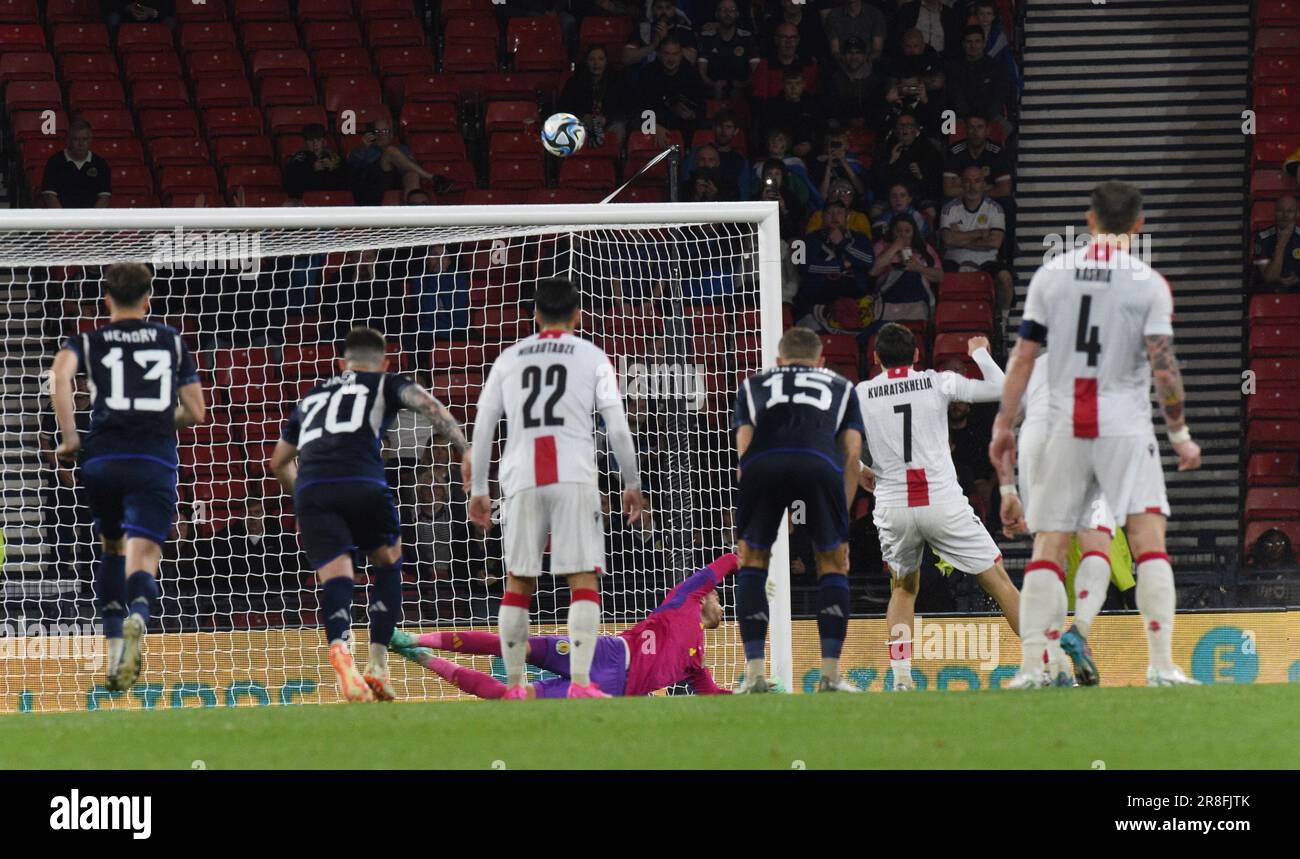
(563, 134)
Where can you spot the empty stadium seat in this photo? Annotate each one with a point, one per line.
(178, 151)
(1268, 340)
(72, 11)
(32, 95)
(80, 39)
(89, 67)
(494, 197)
(268, 36)
(261, 10)
(349, 93)
(328, 198)
(540, 57)
(275, 63)
(421, 117)
(1274, 400)
(229, 151)
(291, 119)
(256, 177)
(1273, 469)
(147, 38)
(222, 92)
(554, 196)
(164, 94)
(1277, 13)
(967, 286)
(112, 123)
(1269, 152)
(1275, 370)
(1274, 308)
(209, 63)
(510, 116)
(372, 9)
(327, 35)
(445, 146)
(187, 179)
(975, 316)
(402, 61)
(207, 36)
(841, 354)
(430, 88)
(1271, 184)
(26, 66)
(95, 95)
(394, 33)
(587, 174)
(120, 152)
(224, 121)
(22, 37)
(467, 57)
(157, 65)
(459, 173)
(1269, 434)
(281, 90)
(1281, 68)
(519, 173)
(1272, 502)
(472, 30)
(310, 11)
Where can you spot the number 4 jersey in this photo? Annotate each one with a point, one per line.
(1098, 310)
(338, 426)
(135, 368)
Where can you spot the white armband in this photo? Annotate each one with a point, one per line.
(1008, 489)
(1180, 436)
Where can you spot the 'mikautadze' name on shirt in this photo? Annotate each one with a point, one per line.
(550, 346)
(906, 386)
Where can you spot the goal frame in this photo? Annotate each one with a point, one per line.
(765, 215)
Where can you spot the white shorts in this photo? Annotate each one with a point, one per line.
(567, 515)
(1122, 471)
(953, 530)
(1029, 455)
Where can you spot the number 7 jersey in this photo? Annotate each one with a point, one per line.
(1098, 306)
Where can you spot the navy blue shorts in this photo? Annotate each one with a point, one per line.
(135, 497)
(337, 518)
(779, 480)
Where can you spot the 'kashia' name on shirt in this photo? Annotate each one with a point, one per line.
(906, 386)
(142, 335)
(548, 346)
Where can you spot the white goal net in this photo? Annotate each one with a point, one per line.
(685, 299)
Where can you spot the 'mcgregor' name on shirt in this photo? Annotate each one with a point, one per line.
(921, 383)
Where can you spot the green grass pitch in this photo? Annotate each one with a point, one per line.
(1237, 727)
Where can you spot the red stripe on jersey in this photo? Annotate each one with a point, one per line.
(1155, 510)
(897, 372)
(1085, 408)
(545, 469)
(550, 334)
(1045, 565)
(918, 488)
(1151, 556)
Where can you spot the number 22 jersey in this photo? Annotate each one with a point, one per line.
(338, 426)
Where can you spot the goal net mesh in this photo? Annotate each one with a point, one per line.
(675, 306)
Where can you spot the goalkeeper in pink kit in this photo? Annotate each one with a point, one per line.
(664, 649)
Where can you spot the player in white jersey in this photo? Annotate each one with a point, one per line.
(918, 499)
(1093, 575)
(549, 387)
(1111, 319)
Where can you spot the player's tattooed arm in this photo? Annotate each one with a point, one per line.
(1168, 379)
(445, 426)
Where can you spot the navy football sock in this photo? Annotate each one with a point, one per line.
(385, 602)
(832, 613)
(110, 593)
(336, 607)
(751, 610)
(141, 591)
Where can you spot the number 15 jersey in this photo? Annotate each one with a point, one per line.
(1098, 309)
(338, 426)
(549, 387)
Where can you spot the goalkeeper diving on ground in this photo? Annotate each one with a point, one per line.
(664, 649)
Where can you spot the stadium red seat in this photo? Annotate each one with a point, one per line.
(841, 354)
(37, 151)
(88, 67)
(307, 361)
(1275, 308)
(371, 9)
(349, 93)
(472, 30)
(420, 89)
(642, 194)
(159, 65)
(222, 92)
(466, 8)
(1274, 401)
(290, 120)
(281, 90)
(32, 95)
(161, 94)
(224, 121)
(22, 37)
(120, 152)
(26, 66)
(29, 124)
(207, 36)
(967, 286)
(494, 197)
(132, 179)
(444, 146)
(215, 63)
(1272, 502)
(587, 174)
(148, 38)
(111, 123)
(254, 177)
(948, 346)
(518, 173)
(281, 63)
(394, 33)
(265, 199)
(324, 10)
(603, 30)
(242, 367)
(328, 35)
(513, 144)
(268, 36)
(1270, 151)
(421, 117)
(1273, 469)
(1277, 121)
(1280, 68)
(328, 198)
(187, 179)
(178, 151)
(229, 151)
(400, 62)
(1269, 434)
(80, 39)
(1276, 94)
(1277, 13)
(1278, 40)
(975, 316)
(261, 10)
(72, 11)
(1275, 370)
(467, 57)
(459, 173)
(457, 388)
(539, 56)
(554, 196)
(1271, 184)
(1274, 340)
(510, 116)
(95, 95)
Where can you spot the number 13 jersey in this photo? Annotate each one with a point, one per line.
(338, 426)
(1098, 309)
(549, 387)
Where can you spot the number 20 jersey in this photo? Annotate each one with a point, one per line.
(338, 426)
(549, 387)
(1094, 314)
(135, 368)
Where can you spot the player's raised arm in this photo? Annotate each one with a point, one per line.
(1033, 337)
(445, 426)
(61, 373)
(986, 390)
(487, 416)
(610, 406)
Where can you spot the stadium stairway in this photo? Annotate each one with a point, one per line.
(1151, 92)
(21, 477)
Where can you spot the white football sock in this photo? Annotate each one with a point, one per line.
(1156, 599)
(1090, 583)
(114, 654)
(584, 625)
(900, 658)
(512, 627)
(831, 669)
(377, 658)
(1042, 612)
(755, 668)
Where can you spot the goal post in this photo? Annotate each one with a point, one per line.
(685, 298)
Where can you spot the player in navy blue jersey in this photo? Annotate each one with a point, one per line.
(328, 458)
(798, 437)
(143, 387)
